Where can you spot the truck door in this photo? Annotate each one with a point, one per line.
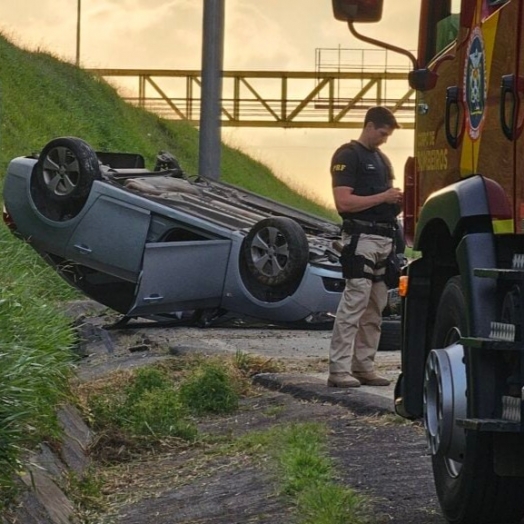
(439, 55)
(518, 122)
(470, 48)
(491, 59)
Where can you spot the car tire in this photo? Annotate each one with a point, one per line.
(276, 252)
(63, 176)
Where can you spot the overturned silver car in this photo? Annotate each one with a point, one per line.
(155, 243)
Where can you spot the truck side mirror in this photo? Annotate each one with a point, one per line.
(358, 10)
(422, 79)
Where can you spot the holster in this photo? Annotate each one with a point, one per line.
(353, 265)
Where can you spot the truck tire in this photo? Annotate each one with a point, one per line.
(468, 489)
(63, 176)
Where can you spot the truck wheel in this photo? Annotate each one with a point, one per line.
(276, 251)
(468, 489)
(63, 176)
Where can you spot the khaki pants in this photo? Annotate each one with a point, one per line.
(356, 332)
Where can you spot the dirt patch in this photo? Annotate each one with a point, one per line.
(376, 456)
(379, 456)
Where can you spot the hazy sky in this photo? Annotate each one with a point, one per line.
(267, 34)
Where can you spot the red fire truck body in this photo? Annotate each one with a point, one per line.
(463, 292)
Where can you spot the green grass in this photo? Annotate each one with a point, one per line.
(209, 390)
(42, 98)
(149, 406)
(306, 475)
(161, 402)
(143, 409)
(35, 361)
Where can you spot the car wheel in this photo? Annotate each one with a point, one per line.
(468, 489)
(276, 251)
(63, 176)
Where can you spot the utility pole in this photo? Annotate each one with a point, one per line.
(78, 14)
(211, 92)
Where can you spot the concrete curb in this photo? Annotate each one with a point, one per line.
(44, 500)
(310, 388)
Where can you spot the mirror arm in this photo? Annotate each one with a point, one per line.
(385, 45)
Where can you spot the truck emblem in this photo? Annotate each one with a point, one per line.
(475, 83)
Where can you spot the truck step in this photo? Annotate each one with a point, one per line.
(502, 331)
(511, 408)
(502, 337)
(509, 422)
(502, 274)
(515, 273)
(492, 425)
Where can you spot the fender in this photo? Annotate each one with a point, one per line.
(455, 235)
(455, 205)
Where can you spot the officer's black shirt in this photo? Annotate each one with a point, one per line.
(365, 170)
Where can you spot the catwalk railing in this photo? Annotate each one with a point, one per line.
(320, 99)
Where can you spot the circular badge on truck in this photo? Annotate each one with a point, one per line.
(475, 83)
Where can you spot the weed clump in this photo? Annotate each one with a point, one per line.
(209, 390)
(147, 406)
(154, 404)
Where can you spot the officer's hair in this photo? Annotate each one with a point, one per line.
(381, 117)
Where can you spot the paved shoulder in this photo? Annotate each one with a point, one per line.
(363, 401)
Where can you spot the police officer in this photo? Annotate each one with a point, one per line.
(362, 179)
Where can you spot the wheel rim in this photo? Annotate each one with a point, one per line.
(61, 171)
(269, 251)
(444, 403)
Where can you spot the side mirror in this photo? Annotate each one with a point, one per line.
(422, 79)
(357, 10)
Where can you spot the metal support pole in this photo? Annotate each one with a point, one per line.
(78, 14)
(211, 94)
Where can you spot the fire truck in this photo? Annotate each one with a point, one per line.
(462, 340)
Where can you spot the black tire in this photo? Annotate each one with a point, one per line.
(390, 335)
(63, 176)
(276, 252)
(470, 492)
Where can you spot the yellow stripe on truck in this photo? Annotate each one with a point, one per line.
(470, 148)
(502, 226)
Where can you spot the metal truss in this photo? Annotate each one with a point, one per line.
(284, 99)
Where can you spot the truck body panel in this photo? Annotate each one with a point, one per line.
(462, 340)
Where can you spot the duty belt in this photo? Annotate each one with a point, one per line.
(358, 227)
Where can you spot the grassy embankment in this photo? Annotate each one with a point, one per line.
(42, 98)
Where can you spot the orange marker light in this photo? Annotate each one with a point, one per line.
(403, 285)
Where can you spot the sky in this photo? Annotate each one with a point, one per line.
(259, 35)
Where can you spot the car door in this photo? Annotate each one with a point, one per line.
(111, 237)
(181, 276)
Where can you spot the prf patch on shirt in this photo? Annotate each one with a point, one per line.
(338, 167)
